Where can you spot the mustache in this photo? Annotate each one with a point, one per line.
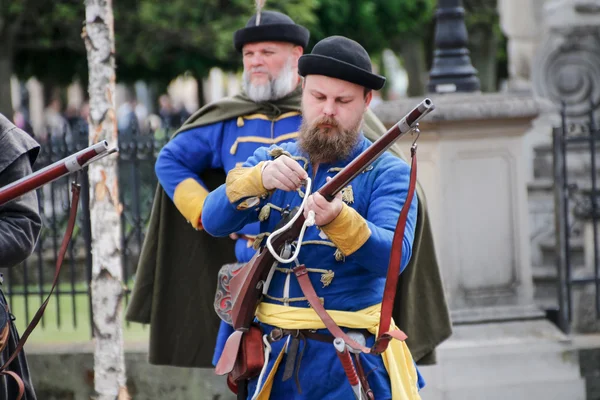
(327, 121)
(259, 69)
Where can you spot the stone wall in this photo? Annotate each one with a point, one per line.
(66, 373)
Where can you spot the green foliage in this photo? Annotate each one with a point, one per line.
(158, 40)
(376, 24)
(483, 20)
(45, 38)
(479, 13)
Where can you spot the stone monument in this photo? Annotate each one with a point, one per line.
(472, 166)
(567, 62)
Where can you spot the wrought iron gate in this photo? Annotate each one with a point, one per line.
(572, 199)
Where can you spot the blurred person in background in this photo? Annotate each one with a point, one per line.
(20, 226)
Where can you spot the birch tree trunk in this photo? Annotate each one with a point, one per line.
(105, 209)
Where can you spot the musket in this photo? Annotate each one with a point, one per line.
(246, 285)
(52, 172)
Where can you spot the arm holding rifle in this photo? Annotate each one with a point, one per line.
(368, 240)
(20, 225)
(20, 222)
(235, 204)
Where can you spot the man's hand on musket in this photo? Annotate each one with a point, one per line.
(283, 173)
(325, 211)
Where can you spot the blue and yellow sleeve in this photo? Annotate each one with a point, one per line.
(235, 204)
(180, 163)
(369, 240)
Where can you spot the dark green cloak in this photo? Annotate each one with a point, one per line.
(176, 277)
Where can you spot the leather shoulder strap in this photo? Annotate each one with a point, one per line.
(313, 299)
(391, 281)
(38, 315)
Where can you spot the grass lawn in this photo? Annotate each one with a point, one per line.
(74, 325)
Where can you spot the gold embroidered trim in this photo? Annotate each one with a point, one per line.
(189, 199)
(339, 256)
(240, 120)
(265, 212)
(258, 240)
(291, 299)
(245, 182)
(348, 231)
(348, 195)
(322, 242)
(277, 152)
(327, 275)
(260, 139)
(303, 159)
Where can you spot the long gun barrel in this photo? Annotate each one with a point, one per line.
(247, 284)
(52, 172)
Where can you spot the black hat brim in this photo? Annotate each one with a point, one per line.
(315, 64)
(289, 33)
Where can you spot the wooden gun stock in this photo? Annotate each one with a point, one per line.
(246, 286)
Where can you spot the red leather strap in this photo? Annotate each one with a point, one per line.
(313, 299)
(4, 342)
(391, 282)
(19, 381)
(38, 315)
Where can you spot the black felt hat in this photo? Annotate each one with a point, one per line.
(341, 58)
(273, 27)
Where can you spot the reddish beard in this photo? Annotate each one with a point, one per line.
(327, 144)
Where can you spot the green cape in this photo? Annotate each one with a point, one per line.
(176, 276)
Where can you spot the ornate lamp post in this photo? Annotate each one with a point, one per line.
(452, 70)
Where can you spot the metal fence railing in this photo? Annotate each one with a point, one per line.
(27, 284)
(576, 197)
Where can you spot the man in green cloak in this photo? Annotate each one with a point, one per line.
(176, 278)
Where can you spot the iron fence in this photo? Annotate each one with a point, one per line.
(576, 197)
(29, 282)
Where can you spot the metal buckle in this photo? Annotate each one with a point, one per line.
(276, 334)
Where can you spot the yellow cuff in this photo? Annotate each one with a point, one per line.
(348, 231)
(245, 182)
(189, 199)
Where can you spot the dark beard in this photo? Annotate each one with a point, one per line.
(327, 144)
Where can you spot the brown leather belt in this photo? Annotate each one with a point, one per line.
(292, 362)
(278, 334)
(293, 359)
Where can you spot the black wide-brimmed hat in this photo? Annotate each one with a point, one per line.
(341, 58)
(273, 27)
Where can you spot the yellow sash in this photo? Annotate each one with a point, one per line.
(397, 358)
